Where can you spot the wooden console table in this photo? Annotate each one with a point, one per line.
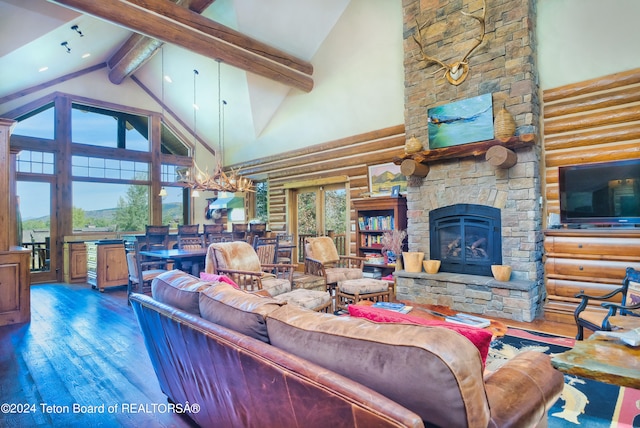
(603, 359)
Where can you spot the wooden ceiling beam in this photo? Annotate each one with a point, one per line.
(170, 23)
(139, 49)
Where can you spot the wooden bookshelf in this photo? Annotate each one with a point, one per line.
(374, 216)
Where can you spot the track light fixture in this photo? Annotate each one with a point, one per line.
(77, 30)
(66, 46)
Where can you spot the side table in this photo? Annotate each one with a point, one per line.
(603, 359)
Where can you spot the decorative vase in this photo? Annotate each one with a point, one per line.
(431, 266)
(504, 125)
(501, 273)
(413, 261)
(392, 258)
(412, 145)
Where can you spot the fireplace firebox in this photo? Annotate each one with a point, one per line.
(467, 238)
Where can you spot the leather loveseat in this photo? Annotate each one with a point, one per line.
(252, 361)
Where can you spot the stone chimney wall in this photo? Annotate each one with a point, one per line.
(505, 66)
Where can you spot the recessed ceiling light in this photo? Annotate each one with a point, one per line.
(168, 79)
(41, 69)
(87, 55)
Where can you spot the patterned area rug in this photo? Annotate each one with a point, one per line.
(583, 402)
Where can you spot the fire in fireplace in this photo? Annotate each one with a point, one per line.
(466, 238)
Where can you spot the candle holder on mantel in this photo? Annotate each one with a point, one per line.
(504, 126)
(413, 145)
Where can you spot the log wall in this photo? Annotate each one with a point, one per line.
(593, 121)
(347, 157)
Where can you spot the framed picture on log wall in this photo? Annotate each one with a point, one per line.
(461, 122)
(383, 177)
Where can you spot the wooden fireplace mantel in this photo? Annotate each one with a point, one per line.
(466, 150)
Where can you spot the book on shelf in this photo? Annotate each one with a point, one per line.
(382, 222)
(468, 320)
(374, 258)
(374, 275)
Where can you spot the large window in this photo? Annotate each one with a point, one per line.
(37, 124)
(173, 205)
(110, 169)
(262, 202)
(33, 162)
(96, 178)
(321, 211)
(107, 128)
(95, 167)
(109, 207)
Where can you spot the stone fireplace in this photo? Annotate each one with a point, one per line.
(505, 66)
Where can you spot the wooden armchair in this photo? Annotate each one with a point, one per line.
(239, 261)
(625, 314)
(266, 248)
(322, 259)
(286, 244)
(142, 270)
(191, 243)
(156, 237)
(188, 229)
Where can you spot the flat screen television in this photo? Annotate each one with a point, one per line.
(600, 193)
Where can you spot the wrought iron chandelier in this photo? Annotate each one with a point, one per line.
(218, 180)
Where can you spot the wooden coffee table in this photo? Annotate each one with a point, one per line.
(438, 313)
(603, 359)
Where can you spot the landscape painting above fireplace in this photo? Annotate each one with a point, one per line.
(461, 122)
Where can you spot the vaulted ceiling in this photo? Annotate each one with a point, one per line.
(277, 39)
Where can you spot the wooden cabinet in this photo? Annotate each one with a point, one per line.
(589, 260)
(106, 264)
(15, 292)
(75, 262)
(374, 216)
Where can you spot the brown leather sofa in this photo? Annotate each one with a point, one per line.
(251, 361)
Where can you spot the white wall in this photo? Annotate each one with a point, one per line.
(359, 85)
(584, 39)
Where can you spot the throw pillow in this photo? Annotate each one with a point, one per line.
(218, 278)
(479, 337)
(238, 310)
(179, 289)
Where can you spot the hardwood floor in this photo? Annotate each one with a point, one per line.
(81, 348)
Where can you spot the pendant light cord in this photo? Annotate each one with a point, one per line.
(220, 152)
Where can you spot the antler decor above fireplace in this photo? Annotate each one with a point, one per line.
(457, 71)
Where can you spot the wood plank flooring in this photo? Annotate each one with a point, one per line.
(83, 347)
